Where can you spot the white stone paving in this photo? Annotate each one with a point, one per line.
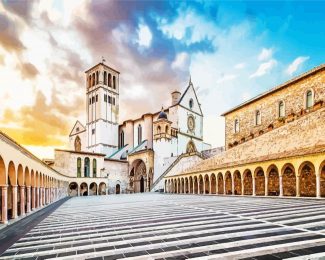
(169, 226)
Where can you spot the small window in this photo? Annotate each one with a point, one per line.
(93, 100)
(105, 78)
(114, 101)
(109, 99)
(93, 131)
(258, 117)
(94, 168)
(89, 101)
(236, 126)
(79, 167)
(191, 103)
(96, 98)
(281, 109)
(105, 98)
(114, 82)
(309, 99)
(158, 130)
(77, 129)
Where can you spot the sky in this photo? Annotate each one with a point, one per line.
(232, 50)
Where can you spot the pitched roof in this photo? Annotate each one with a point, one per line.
(101, 63)
(277, 88)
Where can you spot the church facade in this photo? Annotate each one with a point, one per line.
(133, 155)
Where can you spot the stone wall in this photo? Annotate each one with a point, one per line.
(294, 98)
(305, 132)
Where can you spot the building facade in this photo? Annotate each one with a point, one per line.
(275, 145)
(135, 153)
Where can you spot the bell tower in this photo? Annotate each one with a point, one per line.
(102, 92)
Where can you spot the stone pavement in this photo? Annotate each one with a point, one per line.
(165, 226)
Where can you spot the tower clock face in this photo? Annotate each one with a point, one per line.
(191, 123)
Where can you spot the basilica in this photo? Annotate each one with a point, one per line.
(131, 156)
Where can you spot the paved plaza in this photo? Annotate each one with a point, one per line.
(165, 226)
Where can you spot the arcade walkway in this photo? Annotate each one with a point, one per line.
(167, 226)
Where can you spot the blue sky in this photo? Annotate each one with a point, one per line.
(232, 50)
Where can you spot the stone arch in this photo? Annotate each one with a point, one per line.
(273, 182)
(138, 176)
(196, 186)
(73, 189)
(191, 185)
(213, 182)
(220, 183)
(201, 184)
(12, 176)
(93, 188)
(288, 180)
(237, 183)
(248, 182)
(83, 189)
(206, 184)
(102, 188)
(3, 174)
(186, 186)
(259, 181)
(322, 178)
(307, 179)
(228, 183)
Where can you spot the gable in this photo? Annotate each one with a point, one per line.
(190, 96)
(78, 128)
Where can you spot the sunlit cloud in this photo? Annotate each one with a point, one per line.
(293, 67)
(264, 68)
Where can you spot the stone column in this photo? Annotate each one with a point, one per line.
(297, 186)
(210, 186)
(4, 204)
(254, 186)
(233, 185)
(33, 198)
(318, 186)
(22, 200)
(198, 187)
(14, 201)
(28, 199)
(193, 186)
(242, 186)
(281, 185)
(266, 185)
(36, 197)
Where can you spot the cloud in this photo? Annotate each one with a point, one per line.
(226, 77)
(293, 67)
(28, 70)
(265, 54)
(9, 38)
(20, 8)
(181, 61)
(145, 36)
(264, 68)
(240, 65)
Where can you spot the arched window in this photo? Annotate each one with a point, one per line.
(109, 80)
(93, 77)
(236, 126)
(158, 129)
(77, 144)
(114, 82)
(166, 129)
(89, 81)
(97, 77)
(139, 134)
(87, 167)
(105, 78)
(94, 168)
(281, 109)
(309, 99)
(191, 103)
(79, 167)
(122, 139)
(258, 117)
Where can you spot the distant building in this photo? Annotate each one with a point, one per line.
(134, 154)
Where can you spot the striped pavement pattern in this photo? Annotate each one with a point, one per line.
(169, 226)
